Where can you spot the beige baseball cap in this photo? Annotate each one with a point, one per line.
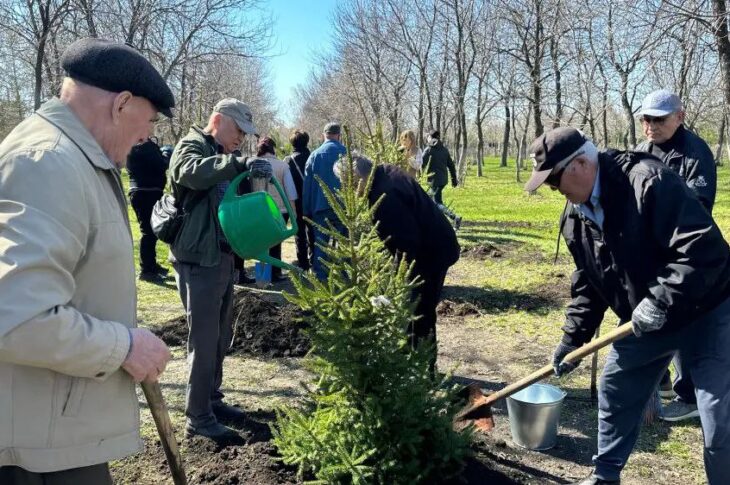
(239, 111)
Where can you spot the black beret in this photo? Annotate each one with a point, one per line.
(117, 67)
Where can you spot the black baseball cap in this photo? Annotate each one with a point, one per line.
(552, 150)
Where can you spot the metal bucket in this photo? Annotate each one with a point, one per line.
(534, 413)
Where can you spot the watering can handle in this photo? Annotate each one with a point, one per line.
(231, 193)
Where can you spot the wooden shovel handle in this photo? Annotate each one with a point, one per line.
(156, 402)
(593, 346)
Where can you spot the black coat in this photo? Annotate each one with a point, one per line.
(657, 241)
(438, 163)
(410, 221)
(297, 162)
(689, 157)
(147, 167)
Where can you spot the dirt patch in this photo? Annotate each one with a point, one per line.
(457, 308)
(262, 328)
(482, 251)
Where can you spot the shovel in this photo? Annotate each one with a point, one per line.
(478, 410)
(153, 394)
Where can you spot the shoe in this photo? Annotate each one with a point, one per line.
(215, 431)
(161, 270)
(244, 279)
(666, 391)
(151, 277)
(278, 278)
(457, 223)
(678, 410)
(227, 413)
(593, 480)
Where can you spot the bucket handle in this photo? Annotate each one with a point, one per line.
(233, 188)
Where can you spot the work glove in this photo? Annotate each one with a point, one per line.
(561, 368)
(647, 317)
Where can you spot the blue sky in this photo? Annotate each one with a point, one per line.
(301, 27)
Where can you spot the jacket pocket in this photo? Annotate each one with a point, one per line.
(75, 395)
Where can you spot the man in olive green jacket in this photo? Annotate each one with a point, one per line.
(201, 168)
(69, 349)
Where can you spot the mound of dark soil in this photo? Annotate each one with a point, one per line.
(456, 308)
(482, 251)
(262, 328)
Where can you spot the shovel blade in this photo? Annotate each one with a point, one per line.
(476, 412)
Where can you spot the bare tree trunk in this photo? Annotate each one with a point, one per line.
(505, 135)
(720, 140)
(558, 86)
(719, 9)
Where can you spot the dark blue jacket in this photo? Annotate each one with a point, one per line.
(320, 164)
(657, 241)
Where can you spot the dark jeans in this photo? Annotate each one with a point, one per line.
(428, 295)
(304, 241)
(275, 252)
(207, 295)
(323, 240)
(88, 475)
(142, 202)
(632, 372)
(436, 193)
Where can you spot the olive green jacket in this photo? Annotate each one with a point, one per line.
(196, 168)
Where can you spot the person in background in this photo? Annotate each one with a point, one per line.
(266, 149)
(70, 349)
(297, 162)
(412, 226)
(201, 169)
(147, 168)
(687, 155)
(439, 165)
(315, 205)
(411, 151)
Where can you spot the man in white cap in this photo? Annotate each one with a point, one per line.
(662, 119)
(644, 246)
(201, 168)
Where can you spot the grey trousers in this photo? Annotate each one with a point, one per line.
(633, 369)
(207, 295)
(88, 475)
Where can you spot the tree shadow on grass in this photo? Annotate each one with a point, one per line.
(489, 299)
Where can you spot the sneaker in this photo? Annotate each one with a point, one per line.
(227, 413)
(244, 279)
(679, 410)
(151, 277)
(215, 431)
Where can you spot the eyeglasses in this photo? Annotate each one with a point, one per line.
(553, 180)
(658, 120)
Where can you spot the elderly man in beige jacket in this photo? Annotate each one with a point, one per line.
(69, 349)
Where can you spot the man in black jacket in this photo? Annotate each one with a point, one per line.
(644, 246)
(439, 165)
(147, 177)
(413, 226)
(662, 117)
(304, 239)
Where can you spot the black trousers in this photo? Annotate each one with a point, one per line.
(428, 295)
(88, 475)
(304, 241)
(275, 252)
(142, 202)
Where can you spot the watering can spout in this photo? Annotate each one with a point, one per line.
(252, 223)
(266, 258)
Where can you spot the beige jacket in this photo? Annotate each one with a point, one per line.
(282, 174)
(67, 298)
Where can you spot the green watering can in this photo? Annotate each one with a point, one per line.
(253, 224)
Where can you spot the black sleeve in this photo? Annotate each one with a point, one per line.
(585, 311)
(694, 250)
